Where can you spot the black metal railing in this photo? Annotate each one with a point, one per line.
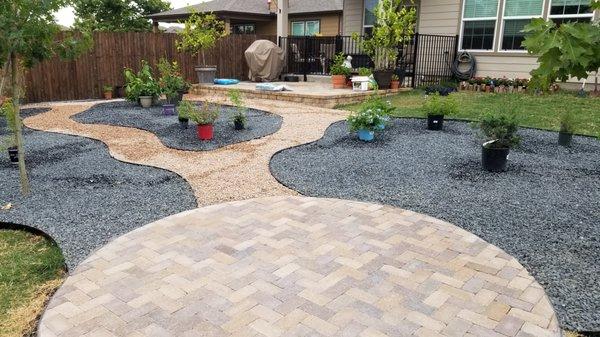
(424, 60)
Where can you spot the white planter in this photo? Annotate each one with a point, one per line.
(146, 101)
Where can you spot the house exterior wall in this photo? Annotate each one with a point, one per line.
(444, 17)
(331, 24)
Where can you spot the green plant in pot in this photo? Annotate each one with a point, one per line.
(205, 117)
(339, 72)
(171, 82)
(141, 87)
(8, 111)
(364, 71)
(108, 91)
(239, 117)
(201, 32)
(500, 133)
(184, 110)
(567, 128)
(365, 122)
(395, 23)
(436, 107)
(382, 108)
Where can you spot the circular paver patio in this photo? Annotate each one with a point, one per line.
(298, 266)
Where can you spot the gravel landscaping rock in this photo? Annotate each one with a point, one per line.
(167, 128)
(82, 197)
(545, 211)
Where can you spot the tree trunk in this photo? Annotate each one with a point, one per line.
(25, 189)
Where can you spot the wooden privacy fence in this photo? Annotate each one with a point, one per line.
(84, 78)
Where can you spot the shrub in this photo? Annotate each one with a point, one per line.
(500, 130)
(437, 105)
(201, 31)
(440, 89)
(567, 122)
(380, 106)
(364, 72)
(235, 96)
(338, 68)
(395, 77)
(171, 81)
(364, 120)
(107, 88)
(207, 114)
(140, 84)
(8, 111)
(185, 109)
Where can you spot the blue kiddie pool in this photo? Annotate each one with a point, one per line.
(226, 81)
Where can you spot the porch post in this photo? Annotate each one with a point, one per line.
(282, 17)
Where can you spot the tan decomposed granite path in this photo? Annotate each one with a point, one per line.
(299, 266)
(235, 172)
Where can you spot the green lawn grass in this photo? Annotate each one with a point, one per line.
(31, 268)
(532, 111)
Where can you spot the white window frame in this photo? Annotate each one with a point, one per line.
(520, 17)
(462, 28)
(567, 16)
(304, 22)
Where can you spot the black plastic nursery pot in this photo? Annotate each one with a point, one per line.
(435, 122)
(13, 154)
(383, 78)
(183, 123)
(206, 74)
(239, 125)
(565, 139)
(494, 160)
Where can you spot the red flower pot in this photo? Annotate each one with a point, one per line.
(205, 132)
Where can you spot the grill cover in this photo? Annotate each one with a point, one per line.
(265, 60)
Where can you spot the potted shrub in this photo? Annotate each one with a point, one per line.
(567, 129)
(500, 132)
(339, 72)
(436, 107)
(201, 31)
(141, 87)
(395, 22)
(205, 118)
(380, 107)
(7, 110)
(239, 117)
(184, 110)
(395, 84)
(108, 91)
(365, 122)
(171, 82)
(364, 72)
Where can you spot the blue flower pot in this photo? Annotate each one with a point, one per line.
(366, 135)
(169, 109)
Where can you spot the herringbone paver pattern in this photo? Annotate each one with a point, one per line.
(295, 266)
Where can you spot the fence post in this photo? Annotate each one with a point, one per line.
(305, 63)
(415, 63)
(338, 44)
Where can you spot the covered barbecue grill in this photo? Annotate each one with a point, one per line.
(265, 60)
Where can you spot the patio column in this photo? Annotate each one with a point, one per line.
(282, 17)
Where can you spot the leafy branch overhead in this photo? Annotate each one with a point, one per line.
(564, 51)
(201, 31)
(117, 15)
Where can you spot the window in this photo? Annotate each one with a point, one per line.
(517, 14)
(479, 24)
(369, 17)
(562, 11)
(244, 28)
(306, 28)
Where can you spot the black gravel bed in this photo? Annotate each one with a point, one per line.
(167, 129)
(82, 197)
(545, 211)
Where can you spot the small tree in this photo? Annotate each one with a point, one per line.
(201, 32)
(117, 15)
(28, 34)
(565, 51)
(394, 25)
